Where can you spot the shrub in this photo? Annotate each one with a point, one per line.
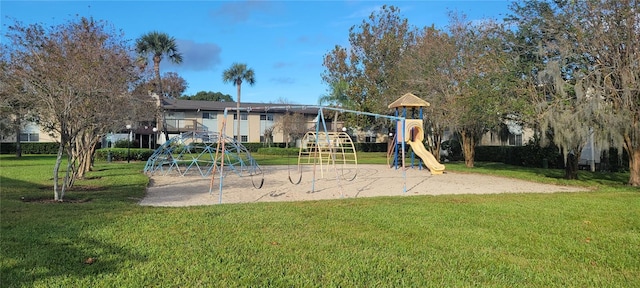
(255, 146)
(120, 154)
(278, 151)
(454, 150)
(370, 147)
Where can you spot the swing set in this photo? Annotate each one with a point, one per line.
(321, 149)
(214, 153)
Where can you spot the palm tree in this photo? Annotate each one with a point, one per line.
(337, 98)
(158, 45)
(236, 74)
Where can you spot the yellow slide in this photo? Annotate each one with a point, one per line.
(429, 160)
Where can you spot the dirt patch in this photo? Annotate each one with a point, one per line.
(52, 201)
(82, 188)
(329, 183)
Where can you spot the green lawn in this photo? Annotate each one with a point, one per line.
(534, 240)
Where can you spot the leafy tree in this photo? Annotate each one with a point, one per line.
(479, 80)
(173, 85)
(371, 65)
(209, 96)
(544, 82)
(424, 68)
(15, 110)
(337, 98)
(236, 74)
(76, 77)
(588, 57)
(158, 45)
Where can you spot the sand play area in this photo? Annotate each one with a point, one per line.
(330, 183)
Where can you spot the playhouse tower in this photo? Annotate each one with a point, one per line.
(411, 132)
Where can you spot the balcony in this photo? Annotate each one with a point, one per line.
(182, 125)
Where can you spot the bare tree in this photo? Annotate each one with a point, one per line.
(268, 135)
(292, 125)
(76, 76)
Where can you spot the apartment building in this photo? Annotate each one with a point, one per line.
(255, 120)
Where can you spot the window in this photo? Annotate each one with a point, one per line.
(208, 115)
(243, 116)
(30, 133)
(515, 140)
(266, 117)
(29, 137)
(244, 138)
(370, 139)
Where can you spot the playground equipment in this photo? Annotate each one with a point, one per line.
(329, 149)
(197, 153)
(410, 131)
(320, 148)
(206, 153)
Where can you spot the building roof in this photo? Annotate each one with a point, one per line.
(202, 105)
(409, 100)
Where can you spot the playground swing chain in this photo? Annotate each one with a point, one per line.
(289, 171)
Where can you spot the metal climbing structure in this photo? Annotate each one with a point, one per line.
(209, 153)
(198, 153)
(329, 149)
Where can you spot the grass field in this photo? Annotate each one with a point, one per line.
(507, 240)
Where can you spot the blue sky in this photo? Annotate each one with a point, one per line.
(282, 41)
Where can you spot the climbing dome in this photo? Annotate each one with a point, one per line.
(198, 153)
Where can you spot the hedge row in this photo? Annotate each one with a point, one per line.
(530, 155)
(279, 151)
(546, 157)
(30, 148)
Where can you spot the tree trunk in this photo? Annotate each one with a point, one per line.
(68, 179)
(156, 70)
(72, 169)
(434, 148)
(634, 162)
(85, 152)
(58, 195)
(238, 114)
(468, 148)
(571, 167)
(18, 142)
(84, 163)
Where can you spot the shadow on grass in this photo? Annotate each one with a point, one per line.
(60, 252)
(45, 239)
